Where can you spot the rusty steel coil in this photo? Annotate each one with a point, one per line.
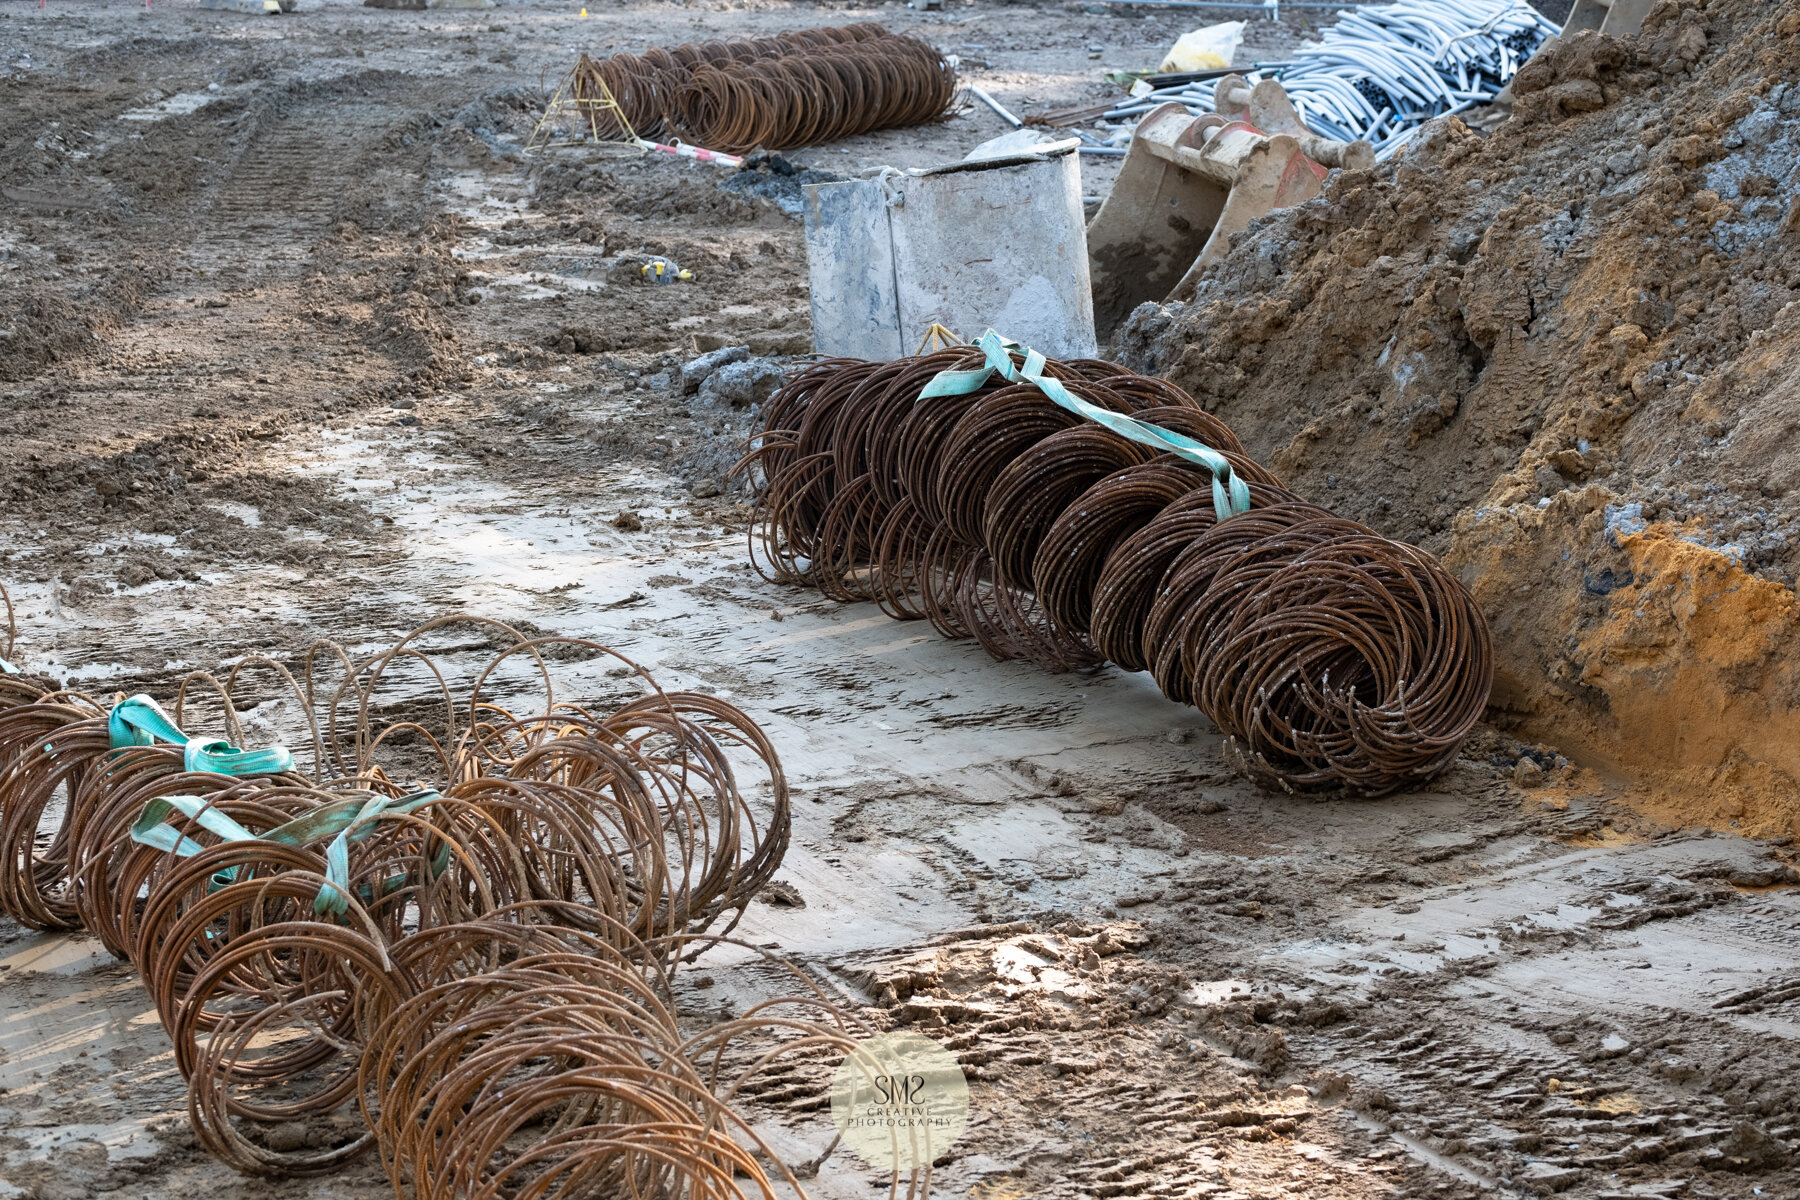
(815, 96)
(302, 932)
(562, 1072)
(798, 89)
(344, 982)
(643, 85)
(109, 872)
(48, 750)
(1351, 664)
(1130, 578)
(1333, 659)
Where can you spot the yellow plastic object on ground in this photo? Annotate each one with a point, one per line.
(1208, 49)
(661, 270)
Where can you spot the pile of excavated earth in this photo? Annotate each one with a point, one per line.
(1562, 356)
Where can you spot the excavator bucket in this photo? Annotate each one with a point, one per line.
(1188, 183)
(1620, 18)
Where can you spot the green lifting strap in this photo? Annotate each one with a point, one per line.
(344, 821)
(1231, 495)
(141, 721)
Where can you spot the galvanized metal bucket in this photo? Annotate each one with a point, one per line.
(995, 243)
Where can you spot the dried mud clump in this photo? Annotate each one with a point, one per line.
(1562, 356)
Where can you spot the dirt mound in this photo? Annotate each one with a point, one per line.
(1558, 356)
(40, 327)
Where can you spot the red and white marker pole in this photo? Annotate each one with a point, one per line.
(683, 150)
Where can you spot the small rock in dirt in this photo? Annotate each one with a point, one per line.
(408, 420)
(628, 520)
(659, 381)
(1578, 96)
(135, 574)
(1625, 162)
(706, 489)
(742, 383)
(695, 371)
(1178, 737)
(1329, 1085)
(1527, 773)
(1073, 1066)
(781, 894)
(1761, 127)
(1750, 1149)
(286, 1137)
(1571, 463)
(403, 402)
(1546, 1179)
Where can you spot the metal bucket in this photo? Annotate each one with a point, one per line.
(995, 243)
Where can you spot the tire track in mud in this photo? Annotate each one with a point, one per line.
(279, 199)
(266, 320)
(300, 167)
(239, 276)
(1491, 1048)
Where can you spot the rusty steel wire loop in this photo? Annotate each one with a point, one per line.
(576, 1059)
(14, 685)
(1333, 659)
(800, 89)
(452, 937)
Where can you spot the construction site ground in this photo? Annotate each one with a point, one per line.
(296, 343)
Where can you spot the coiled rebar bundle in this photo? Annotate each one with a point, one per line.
(1334, 659)
(478, 959)
(777, 93)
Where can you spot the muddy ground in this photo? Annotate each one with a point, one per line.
(297, 342)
